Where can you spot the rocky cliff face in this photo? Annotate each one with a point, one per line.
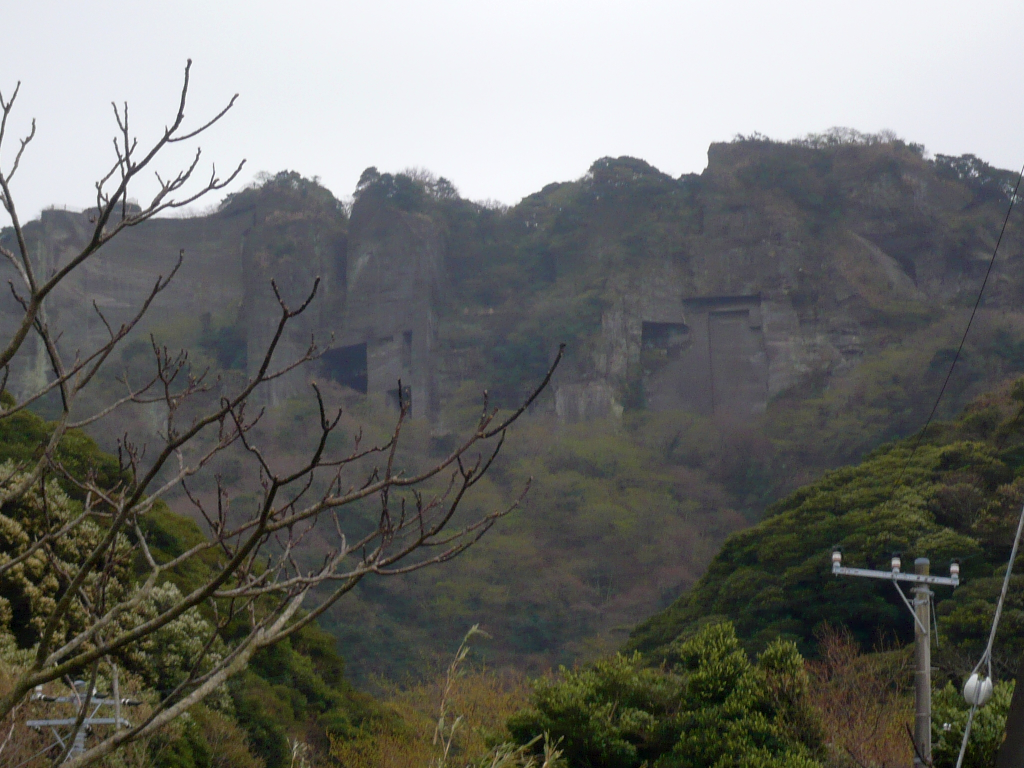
(210, 280)
(779, 264)
(729, 336)
(395, 279)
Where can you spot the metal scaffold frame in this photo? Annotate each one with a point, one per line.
(70, 732)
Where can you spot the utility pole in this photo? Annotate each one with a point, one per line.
(64, 728)
(921, 611)
(922, 665)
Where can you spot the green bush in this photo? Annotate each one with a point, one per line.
(949, 718)
(708, 705)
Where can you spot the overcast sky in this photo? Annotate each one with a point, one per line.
(501, 97)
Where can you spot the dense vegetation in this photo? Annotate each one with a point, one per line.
(695, 695)
(958, 495)
(294, 692)
(706, 702)
(706, 706)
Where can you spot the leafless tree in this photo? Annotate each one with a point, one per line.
(259, 577)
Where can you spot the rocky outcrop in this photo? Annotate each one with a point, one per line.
(779, 264)
(119, 278)
(394, 281)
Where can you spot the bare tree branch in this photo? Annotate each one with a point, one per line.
(262, 570)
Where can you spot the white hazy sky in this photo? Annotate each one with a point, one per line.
(501, 97)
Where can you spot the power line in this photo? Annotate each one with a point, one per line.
(986, 657)
(959, 349)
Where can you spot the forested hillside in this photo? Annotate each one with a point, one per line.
(749, 356)
(958, 496)
(719, 678)
(878, 250)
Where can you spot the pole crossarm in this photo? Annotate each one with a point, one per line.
(77, 700)
(82, 725)
(897, 576)
(72, 720)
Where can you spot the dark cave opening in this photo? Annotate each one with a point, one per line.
(347, 366)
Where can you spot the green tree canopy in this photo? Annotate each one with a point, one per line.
(708, 705)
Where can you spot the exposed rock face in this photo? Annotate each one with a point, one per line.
(586, 400)
(703, 354)
(395, 278)
(292, 247)
(374, 310)
(715, 293)
(712, 362)
(786, 262)
(210, 279)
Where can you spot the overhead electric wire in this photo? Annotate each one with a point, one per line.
(986, 657)
(37, 754)
(967, 330)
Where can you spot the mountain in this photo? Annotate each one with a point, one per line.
(730, 337)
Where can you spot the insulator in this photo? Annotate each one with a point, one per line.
(978, 690)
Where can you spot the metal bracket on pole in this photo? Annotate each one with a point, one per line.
(946, 581)
(913, 611)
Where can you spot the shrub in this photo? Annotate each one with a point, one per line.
(708, 705)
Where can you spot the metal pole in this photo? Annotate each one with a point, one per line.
(117, 700)
(923, 669)
(78, 748)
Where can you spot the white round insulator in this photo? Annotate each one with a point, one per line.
(978, 690)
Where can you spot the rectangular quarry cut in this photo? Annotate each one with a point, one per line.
(714, 363)
(739, 373)
(347, 366)
(667, 337)
(376, 365)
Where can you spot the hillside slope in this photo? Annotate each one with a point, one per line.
(958, 496)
